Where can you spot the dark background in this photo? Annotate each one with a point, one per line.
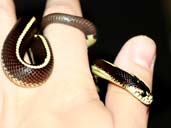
(117, 21)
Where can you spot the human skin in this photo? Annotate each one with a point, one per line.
(69, 97)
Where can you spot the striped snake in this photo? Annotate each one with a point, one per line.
(26, 38)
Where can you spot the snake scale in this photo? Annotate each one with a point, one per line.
(26, 38)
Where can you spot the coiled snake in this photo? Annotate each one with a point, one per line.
(26, 37)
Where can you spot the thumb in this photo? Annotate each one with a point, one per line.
(136, 57)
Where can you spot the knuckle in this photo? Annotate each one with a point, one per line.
(60, 8)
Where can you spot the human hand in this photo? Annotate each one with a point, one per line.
(69, 97)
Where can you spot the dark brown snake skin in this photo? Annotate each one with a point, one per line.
(24, 37)
(78, 22)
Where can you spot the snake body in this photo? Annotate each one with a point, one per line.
(17, 43)
(26, 37)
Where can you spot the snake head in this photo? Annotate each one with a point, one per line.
(140, 90)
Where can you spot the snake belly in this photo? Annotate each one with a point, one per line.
(25, 37)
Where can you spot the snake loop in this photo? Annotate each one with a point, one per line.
(25, 37)
(17, 43)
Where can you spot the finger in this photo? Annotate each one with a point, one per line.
(69, 48)
(7, 18)
(137, 57)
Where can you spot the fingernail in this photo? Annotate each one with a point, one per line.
(143, 51)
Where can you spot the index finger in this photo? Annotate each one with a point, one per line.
(7, 18)
(69, 49)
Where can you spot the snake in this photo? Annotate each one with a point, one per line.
(26, 39)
